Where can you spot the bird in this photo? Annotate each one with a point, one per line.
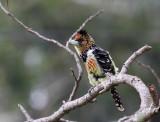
(97, 62)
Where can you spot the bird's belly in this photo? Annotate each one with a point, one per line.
(95, 81)
(95, 72)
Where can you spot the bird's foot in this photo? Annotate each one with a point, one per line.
(89, 91)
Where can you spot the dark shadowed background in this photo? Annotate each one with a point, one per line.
(37, 74)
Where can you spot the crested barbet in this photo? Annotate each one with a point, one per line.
(97, 61)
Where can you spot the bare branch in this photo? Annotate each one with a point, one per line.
(146, 99)
(133, 57)
(150, 69)
(35, 32)
(25, 113)
(83, 24)
(154, 94)
(72, 95)
(30, 29)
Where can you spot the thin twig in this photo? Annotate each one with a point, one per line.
(83, 24)
(32, 31)
(133, 57)
(150, 69)
(72, 95)
(25, 113)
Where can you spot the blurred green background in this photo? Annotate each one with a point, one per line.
(37, 74)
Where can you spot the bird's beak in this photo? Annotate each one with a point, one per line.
(73, 42)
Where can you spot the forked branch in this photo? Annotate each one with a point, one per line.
(75, 88)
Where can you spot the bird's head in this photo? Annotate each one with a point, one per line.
(82, 41)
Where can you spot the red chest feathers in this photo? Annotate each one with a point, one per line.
(91, 65)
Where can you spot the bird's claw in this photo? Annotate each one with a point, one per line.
(89, 91)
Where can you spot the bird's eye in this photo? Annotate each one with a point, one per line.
(80, 40)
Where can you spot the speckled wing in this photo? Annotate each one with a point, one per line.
(104, 59)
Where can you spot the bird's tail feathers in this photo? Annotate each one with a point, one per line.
(117, 99)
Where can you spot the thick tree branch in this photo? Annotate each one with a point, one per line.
(133, 57)
(146, 100)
